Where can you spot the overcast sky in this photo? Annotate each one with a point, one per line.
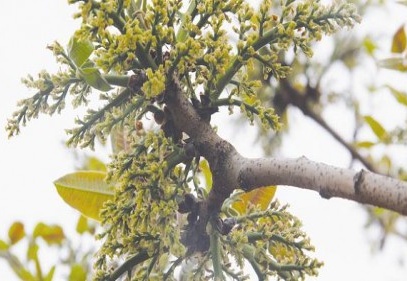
(31, 161)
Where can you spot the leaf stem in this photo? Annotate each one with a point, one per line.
(117, 80)
(215, 250)
(128, 265)
(248, 252)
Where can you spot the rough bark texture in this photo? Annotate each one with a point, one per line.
(230, 170)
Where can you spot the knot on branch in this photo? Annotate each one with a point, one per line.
(203, 107)
(137, 80)
(193, 236)
(165, 119)
(358, 181)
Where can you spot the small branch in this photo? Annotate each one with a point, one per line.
(353, 152)
(117, 80)
(268, 38)
(300, 100)
(79, 133)
(284, 269)
(252, 237)
(191, 11)
(128, 265)
(248, 252)
(170, 271)
(216, 254)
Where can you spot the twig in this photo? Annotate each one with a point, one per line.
(128, 265)
(294, 97)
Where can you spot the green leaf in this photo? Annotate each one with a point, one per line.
(401, 97)
(88, 64)
(94, 164)
(50, 274)
(52, 234)
(377, 128)
(78, 273)
(79, 50)
(258, 197)
(364, 144)
(369, 45)
(16, 232)
(32, 251)
(93, 77)
(3, 245)
(399, 64)
(86, 191)
(82, 225)
(399, 41)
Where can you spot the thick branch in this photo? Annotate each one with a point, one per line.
(230, 170)
(216, 150)
(329, 181)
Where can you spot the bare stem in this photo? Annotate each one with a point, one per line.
(300, 100)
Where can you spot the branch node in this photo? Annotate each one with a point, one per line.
(358, 179)
(325, 194)
(137, 80)
(243, 183)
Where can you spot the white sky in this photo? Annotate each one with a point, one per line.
(30, 162)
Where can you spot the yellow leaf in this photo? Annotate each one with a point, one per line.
(250, 99)
(86, 191)
(364, 144)
(32, 251)
(52, 234)
(78, 273)
(16, 232)
(400, 96)
(95, 164)
(258, 197)
(3, 245)
(377, 128)
(369, 46)
(50, 274)
(204, 166)
(399, 41)
(82, 225)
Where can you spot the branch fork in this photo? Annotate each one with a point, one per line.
(230, 170)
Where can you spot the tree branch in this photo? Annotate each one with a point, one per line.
(230, 170)
(128, 265)
(329, 181)
(300, 100)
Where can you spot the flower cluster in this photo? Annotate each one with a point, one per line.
(130, 50)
